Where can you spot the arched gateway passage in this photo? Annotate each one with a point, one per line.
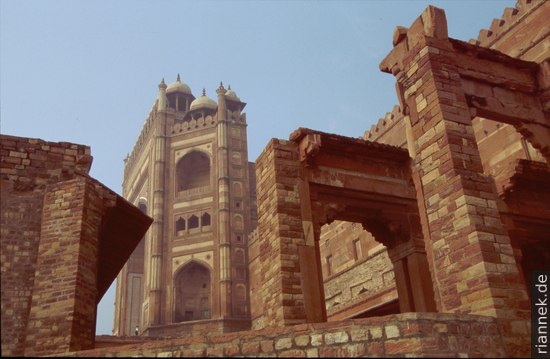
(316, 178)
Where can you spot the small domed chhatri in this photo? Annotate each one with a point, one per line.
(178, 86)
(231, 94)
(203, 102)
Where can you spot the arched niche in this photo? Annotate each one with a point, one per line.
(238, 222)
(239, 256)
(237, 189)
(205, 219)
(193, 222)
(180, 226)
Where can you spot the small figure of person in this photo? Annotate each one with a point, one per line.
(137, 330)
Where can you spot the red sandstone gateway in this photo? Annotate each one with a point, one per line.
(418, 239)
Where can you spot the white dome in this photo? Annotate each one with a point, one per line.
(178, 86)
(203, 102)
(231, 94)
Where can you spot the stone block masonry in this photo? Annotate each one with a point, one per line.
(56, 306)
(276, 171)
(27, 167)
(58, 243)
(460, 241)
(400, 335)
(444, 84)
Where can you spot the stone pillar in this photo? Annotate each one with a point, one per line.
(472, 259)
(63, 309)
(289, 260)
(310, 260)
(412, 278)
(157, 209)
(224, 206)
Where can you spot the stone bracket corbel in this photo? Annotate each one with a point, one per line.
(309, 147)
(538, 136)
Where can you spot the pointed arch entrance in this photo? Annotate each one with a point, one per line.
(193, 293)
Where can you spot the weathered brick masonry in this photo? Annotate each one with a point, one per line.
(456, 224)
(60, 250)
(409, 334)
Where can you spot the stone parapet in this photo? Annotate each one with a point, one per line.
(408, 334)
(514, 26)
(198, 327)
(389, 130)
(142, 139)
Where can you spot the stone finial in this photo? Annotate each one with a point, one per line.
(221, 90)
(203, 91)
(431, 23)
(399, 34)
(178, 78)
(229, 87)
(162, 85)
(162, 100)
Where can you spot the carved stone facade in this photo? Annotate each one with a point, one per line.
(189, 170)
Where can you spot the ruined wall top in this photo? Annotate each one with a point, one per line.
(511, 17)
(384, 124)
(32, 162)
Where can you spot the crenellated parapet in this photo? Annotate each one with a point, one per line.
(141, 141)
(190, 125)
(511, 18)
(384, 124)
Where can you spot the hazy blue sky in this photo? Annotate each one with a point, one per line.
(87, 71)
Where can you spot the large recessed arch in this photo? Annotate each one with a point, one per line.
(193, 171)
(192, 292)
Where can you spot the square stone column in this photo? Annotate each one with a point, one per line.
(471, 259)
(289, 266)
(63, 310)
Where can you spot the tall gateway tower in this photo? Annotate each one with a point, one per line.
(189, 171)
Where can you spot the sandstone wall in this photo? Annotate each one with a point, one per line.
(522, 32)
(410, 334)
(361, 275)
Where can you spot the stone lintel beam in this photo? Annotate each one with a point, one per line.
(493, 67)
(314, 143)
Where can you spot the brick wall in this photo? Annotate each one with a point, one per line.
(362, 275)
(60, 245)
(64, 296)
(471, 256)
(410, 334)
(363, 283)
(27, 167)
(277, 261)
